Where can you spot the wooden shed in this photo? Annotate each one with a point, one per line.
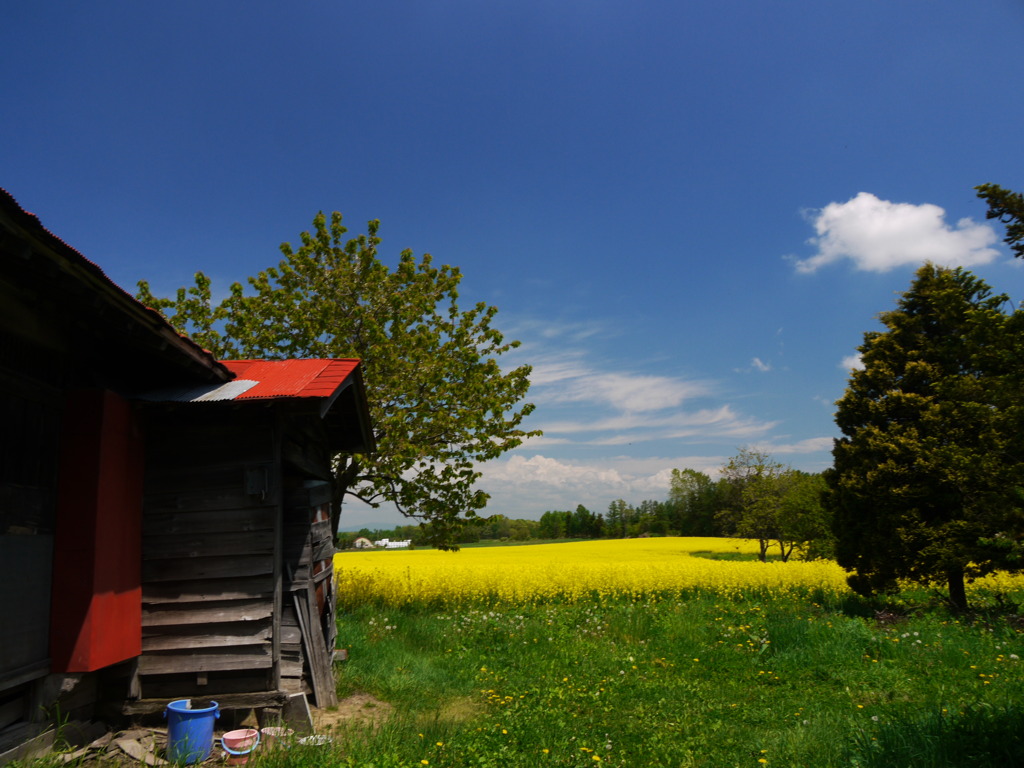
(237, 541)
(164, 516)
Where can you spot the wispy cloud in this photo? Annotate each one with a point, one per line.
(571, 331)
(880, 235)
(757, 365)
(554, 371)
(584, 403)
(711, 423)
(810, 445)
(631, 392)
(598, 410)
(567, 377)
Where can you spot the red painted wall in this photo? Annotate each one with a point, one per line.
(96, 608)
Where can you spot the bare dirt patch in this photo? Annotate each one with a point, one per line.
(359, 709)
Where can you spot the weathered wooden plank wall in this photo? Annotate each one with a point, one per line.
(237, 555)
(309, 552)
(210, 539)
(30, 412)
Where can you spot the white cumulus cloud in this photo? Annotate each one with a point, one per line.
(852, 363)
(880, 235)
(529, 486)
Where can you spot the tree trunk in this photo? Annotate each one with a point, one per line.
(786, 550)
(957, 591)
(346, 470)
(763, 554)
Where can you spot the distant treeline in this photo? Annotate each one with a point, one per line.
(754, 498)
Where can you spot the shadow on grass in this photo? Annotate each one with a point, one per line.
(733, 556)
(975, 738)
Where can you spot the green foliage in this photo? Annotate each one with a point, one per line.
(580, 524)
(623, 520)
(502, 528)
(619, 519)
(804, 522)
(692, 502)
(1008, 207)
(440, 401)
(760, 498)
(927, 476)
(553, 524)
(757, 500)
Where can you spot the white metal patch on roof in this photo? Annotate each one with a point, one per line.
(204, 394)
(228, 391)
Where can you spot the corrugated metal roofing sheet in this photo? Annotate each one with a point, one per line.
(201, 394)
(265, 379)
(291, 378)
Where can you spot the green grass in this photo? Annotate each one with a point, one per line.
(735, 556)
(707, 682)
(513, 542)
(704, 682)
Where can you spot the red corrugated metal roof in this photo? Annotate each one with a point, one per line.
(291, 378)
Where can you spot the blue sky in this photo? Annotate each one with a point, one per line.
(689, 213)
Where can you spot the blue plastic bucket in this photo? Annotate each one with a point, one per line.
(189, 731)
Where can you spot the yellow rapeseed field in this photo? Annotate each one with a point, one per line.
(588, 569)
(573, 571)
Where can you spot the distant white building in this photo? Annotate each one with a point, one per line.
(362, 543)
(389, 544)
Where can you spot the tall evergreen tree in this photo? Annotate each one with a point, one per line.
(1008, 207)
(927, 475)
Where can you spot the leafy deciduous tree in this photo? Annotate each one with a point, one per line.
(756, 497)
(553, 524)
(804, 522)
(440, 401)
(770, 502)
(691, 503)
